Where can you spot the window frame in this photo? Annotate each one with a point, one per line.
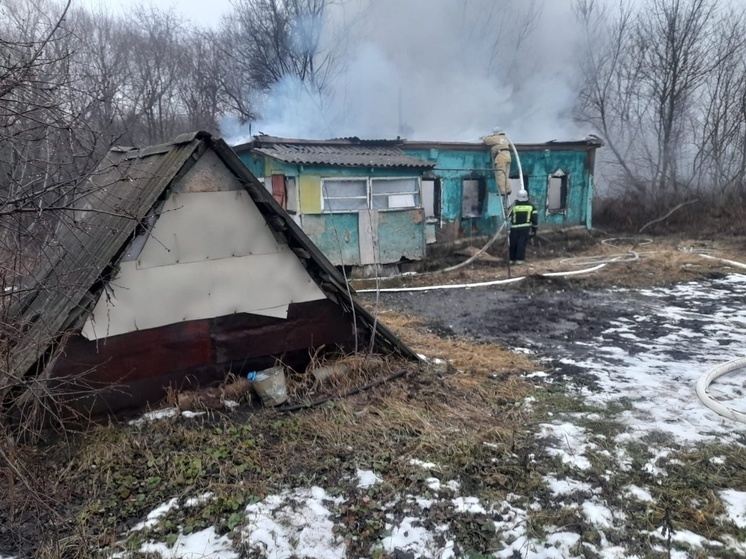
(481, 196)
(370, 195)
(564, 187)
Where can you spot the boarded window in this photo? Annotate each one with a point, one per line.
(557, 192)
(472, 203)
(278, 189)
(291, 199)
(341, 195)
(395, 193)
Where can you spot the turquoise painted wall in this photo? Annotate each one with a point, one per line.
(336, 235)
(538, 165)
(400, 233)
(453, 166)
(255, 163)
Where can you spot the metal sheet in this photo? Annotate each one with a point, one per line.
(198, 226)
(152, 297)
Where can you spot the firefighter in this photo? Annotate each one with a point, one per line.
(524, 220)
(500, 150)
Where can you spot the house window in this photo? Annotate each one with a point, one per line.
(278, 189)
(395, 193)
(557, 192)
(431, 197)
(340, 195)
(515, 186)
(291, 199)
(349, 195)
(472, 202)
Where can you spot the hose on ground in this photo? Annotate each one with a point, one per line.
(705, 380)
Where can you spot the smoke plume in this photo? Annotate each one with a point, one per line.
(433, 70)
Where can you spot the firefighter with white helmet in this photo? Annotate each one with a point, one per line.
(524, 220)
(500, 151)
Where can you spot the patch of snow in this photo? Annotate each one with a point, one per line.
(572, 443)
(367, 478)
(153, 516)
(468, 504)
(718, 460)
(433, 483)
(230, 404)
(638, 493)
(154, 416)
(677, 341)
(200, 545)
(454, 485)
(598, 514)
(684, 536)
(294, 524)
(424, 465)
(194, 501)
(411, 536)
(566, 486)
(735, 506)
(651, 466)
(190, 414)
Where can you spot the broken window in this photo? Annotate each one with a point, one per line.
(431, 197)
(341, 195)
(291, 199)
(557, 192)
(472, 202)
(395, 193)
(515, 186)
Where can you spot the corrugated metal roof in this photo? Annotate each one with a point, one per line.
(343, 155)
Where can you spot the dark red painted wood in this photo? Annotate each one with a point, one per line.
(131, 370)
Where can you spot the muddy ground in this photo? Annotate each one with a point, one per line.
(557, 317)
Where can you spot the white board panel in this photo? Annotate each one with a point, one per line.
(198, 226)
(141, 298)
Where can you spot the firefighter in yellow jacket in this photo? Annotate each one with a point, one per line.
(500, 151)
(524, 220)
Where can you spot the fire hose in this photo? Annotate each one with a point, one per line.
(705, 380)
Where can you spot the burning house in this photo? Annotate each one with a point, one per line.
(383, 203)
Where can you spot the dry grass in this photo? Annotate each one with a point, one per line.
(478, 358)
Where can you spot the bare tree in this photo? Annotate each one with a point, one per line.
(279, 38)
(646, 75)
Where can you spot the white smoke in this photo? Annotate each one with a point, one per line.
(435, 70)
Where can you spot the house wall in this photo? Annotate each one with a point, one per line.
(453, 166)
(350, 238)
(209, 254)
(539, 165)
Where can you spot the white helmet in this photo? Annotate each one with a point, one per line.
(522, 196)
(497, 130)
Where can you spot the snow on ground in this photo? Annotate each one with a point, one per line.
(651, 364)
(688, 329)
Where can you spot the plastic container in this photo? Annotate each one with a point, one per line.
(269, 384)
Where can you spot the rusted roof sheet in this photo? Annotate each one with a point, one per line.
(343, 155)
